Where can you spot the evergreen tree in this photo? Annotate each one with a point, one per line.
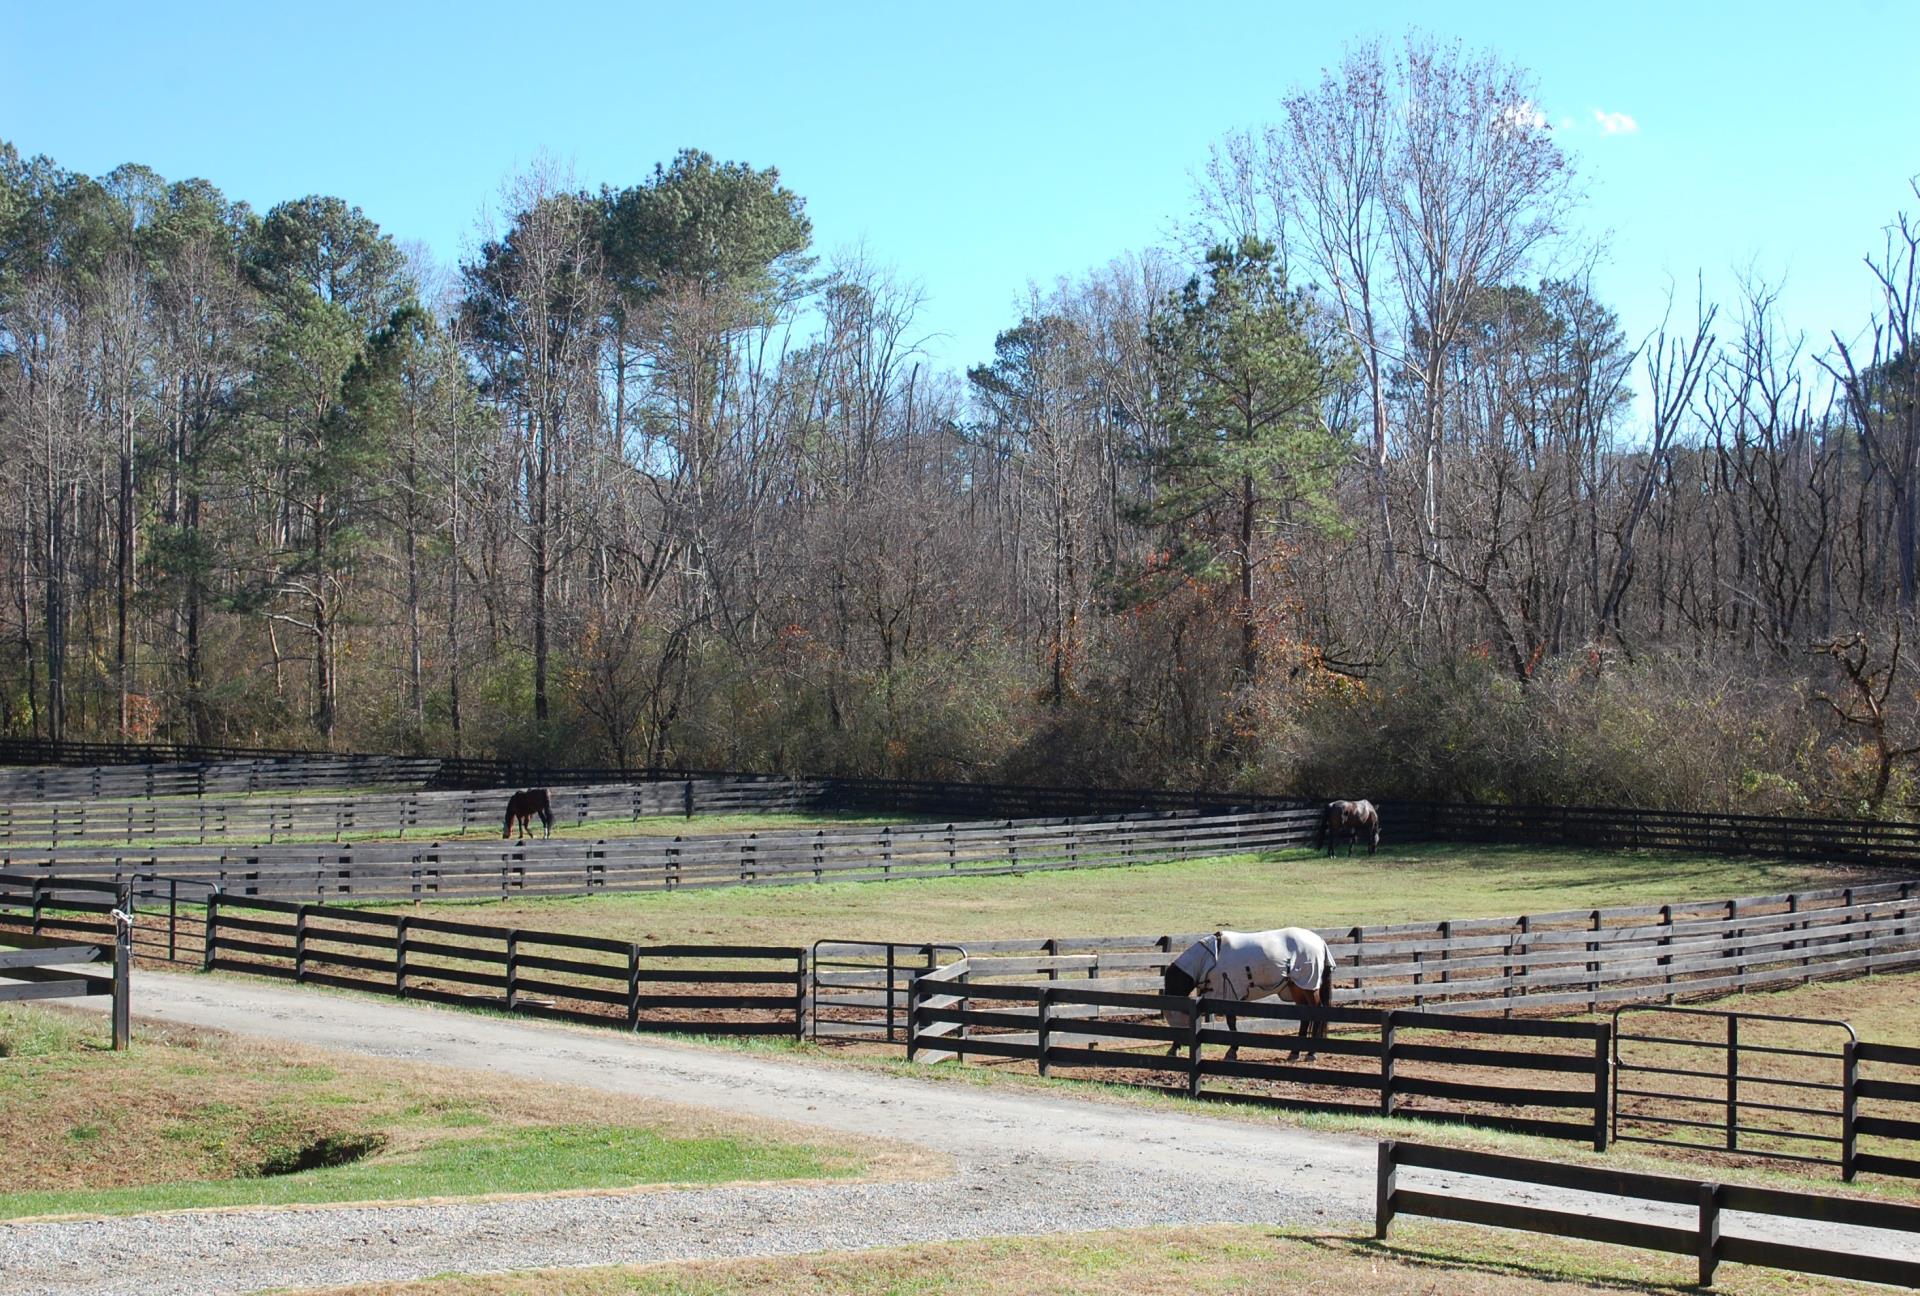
(1248, 450)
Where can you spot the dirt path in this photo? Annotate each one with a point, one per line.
(1024, 1163)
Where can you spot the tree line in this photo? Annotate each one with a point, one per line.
(1361, 487)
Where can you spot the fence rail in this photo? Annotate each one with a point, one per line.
(1597, 826)
(1524, 1076)
(37, 963)
(1709, 1202)
(376, 870)
(199, 778)
(255, 820)
(690, 989)
(1758, 1084)
(1560, 962)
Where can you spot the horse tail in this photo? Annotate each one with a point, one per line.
(546, 809)
(506, 825)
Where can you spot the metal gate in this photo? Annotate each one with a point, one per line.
(860, 988)
(1753, 1084)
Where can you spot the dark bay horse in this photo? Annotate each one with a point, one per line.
(1352, 818)
(1290, 962)
(524, 806)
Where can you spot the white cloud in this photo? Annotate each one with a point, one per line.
(1615, 123)
(1523, 115)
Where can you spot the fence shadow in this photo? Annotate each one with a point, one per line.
(1429, 1259)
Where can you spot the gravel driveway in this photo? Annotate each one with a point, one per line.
(1024, 1163)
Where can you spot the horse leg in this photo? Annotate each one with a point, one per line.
(1306, 999)
(1233, 1029)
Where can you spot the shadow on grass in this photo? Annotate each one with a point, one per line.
(1443, 1261)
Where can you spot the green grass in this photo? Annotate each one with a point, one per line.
(191, 1118)
(531, 1160)
(1242, 892)
(26, 1034)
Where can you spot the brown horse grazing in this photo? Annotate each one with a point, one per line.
(1352, 818)
(524, 806)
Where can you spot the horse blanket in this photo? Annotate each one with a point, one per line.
(1255, 965)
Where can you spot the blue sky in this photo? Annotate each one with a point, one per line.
(976, 147)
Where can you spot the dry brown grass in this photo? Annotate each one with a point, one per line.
(1419, 1260)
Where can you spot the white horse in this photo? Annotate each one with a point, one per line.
(1290, 962)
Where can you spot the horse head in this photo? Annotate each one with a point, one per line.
(1189, 975)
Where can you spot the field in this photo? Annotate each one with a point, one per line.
(1418, 1260)
(257, 1113)
(195, 1118)
(1243, 892)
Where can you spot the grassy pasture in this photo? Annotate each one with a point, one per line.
(1419, 1259)
(198, 1118)
(1242, 892)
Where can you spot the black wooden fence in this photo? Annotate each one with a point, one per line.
(28, 823)
(43, 960)
(201, 778)
(1757, 1084)
(1565, 961)
(1707, 1202)
(1893, 844)
(428, 869)
(689, 989)
(1523, 1076)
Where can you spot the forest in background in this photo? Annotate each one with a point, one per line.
(1362, 489)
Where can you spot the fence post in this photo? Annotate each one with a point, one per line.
(206, 953)
(966, 1001)
(1666, 960)
(1193, 1052)
(1388, 1027)
(1044, 1034)
(1709, 1238)
(1519, 986)
(1593, 969)
(801, 1000)
(1733, 1082)
(122, 969)
(300, 944)
(1383, 1186)
(400, 959)
(1602, 1089)
(513, 970)
(1849, 1109)
(173, 918)
(914, 995)
(633, 987)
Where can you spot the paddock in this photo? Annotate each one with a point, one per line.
(1481, 955)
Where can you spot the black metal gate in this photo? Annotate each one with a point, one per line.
(1752, 1084)
(860, 988)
